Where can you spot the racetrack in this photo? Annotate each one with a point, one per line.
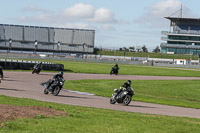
(27, 85)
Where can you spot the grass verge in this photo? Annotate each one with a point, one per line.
(185, 93)
(90, 120)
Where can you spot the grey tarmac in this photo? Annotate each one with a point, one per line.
(27, 85)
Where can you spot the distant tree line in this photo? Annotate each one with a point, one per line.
(139, 49)
(143, 49)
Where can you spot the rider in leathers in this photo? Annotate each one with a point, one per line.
(126, 85)
(55, 78)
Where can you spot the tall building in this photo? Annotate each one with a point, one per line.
(46, 39)
(183, 37)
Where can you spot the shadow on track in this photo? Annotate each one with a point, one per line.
(73, 97)
(12, 80)
(139, 106)
(45, 74)
(67, 70)
(10, 89)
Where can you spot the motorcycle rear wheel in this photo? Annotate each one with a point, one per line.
(56, 91)
(127, 100)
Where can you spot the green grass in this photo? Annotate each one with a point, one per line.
(150, 55)
(91, 120)
(185, 93)
(125, 69)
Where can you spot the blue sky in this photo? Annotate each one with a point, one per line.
(117, 23)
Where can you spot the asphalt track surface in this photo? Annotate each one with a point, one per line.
(27, 85)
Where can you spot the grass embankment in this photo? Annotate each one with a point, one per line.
(90, 120)
(150, 55)
(185, 93)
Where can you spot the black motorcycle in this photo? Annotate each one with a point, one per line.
(36, 69)
(114, 70)
(53, 86)
(122, 96)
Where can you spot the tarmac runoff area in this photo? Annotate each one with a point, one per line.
(27, 85)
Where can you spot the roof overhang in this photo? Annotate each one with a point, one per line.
(184, 21)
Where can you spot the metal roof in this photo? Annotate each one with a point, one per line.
(184, 21)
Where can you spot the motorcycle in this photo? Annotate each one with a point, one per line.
(55, 87)
(122, 96)
(36, 69)
(114, 71)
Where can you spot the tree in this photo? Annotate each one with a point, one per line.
(131, 48)
(144, 49)
(156, 50)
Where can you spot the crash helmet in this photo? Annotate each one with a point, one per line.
(61, 73)
(129, 82)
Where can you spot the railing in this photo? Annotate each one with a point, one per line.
(182, 32)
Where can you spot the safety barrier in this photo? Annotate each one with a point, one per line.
(28, 65)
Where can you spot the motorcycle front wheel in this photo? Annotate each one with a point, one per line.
(46, 91)
(111, 73)
(112, 101)
(127, 100)
(33, 72)
(56, 91)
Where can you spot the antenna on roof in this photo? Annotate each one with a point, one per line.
(180, 10)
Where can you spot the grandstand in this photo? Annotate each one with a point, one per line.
(46, 39)
(183, 37)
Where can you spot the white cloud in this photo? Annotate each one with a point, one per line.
(103, 15)
(156, 13)
(79, 11)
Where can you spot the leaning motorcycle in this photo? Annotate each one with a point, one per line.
(122, 96)
(114, 71)
(55, 87)
(36, 69)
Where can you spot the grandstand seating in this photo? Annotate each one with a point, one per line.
(47, 38)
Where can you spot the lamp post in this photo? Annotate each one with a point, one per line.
(58, 45)
(190, 57)
(83, 48)
(36, 45)
(10, 44)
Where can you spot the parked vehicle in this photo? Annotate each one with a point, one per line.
(122, 96)
(53, 86)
